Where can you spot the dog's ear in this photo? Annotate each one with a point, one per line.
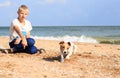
(69, 43)
(62, 42)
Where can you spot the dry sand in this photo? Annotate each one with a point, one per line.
(90, 61)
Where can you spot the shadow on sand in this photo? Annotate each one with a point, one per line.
(52, 59)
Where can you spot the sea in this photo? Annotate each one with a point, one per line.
(88, 34)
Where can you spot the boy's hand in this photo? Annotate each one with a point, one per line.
(17, 41)
(24, 43)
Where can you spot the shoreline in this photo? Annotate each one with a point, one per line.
(99, 40)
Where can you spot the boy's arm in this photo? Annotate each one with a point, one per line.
(24, 42)
(28, 35)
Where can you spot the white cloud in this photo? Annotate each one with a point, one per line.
(6, 3)
(52, 1)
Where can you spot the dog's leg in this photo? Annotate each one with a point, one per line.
(74, 49)
(62, 58)
(69, 54)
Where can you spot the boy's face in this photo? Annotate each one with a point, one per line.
(22, 14)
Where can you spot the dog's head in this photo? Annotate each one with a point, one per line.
(64, 47)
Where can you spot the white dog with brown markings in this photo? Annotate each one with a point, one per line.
(67, 49)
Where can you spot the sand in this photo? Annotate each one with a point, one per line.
(91, 61)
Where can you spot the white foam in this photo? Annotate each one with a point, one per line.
(87, 39)
(82, 38)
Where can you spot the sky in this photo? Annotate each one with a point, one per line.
(63, 12)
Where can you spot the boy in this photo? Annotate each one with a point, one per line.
(20, 33)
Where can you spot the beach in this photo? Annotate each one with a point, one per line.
(92, 60)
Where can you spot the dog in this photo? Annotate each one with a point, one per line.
(67, 49)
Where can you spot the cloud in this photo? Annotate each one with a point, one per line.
(52, 1)
(6, 3)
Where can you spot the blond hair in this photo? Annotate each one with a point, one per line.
(23, 7)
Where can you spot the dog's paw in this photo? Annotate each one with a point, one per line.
(62, 60)
(67, 57)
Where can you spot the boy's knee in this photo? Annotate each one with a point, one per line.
(11, 44)
(30, 41)
(32, 50)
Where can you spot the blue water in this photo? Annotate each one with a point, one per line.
(72, 33)
(93, 31)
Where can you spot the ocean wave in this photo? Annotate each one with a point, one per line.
(82, 38)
